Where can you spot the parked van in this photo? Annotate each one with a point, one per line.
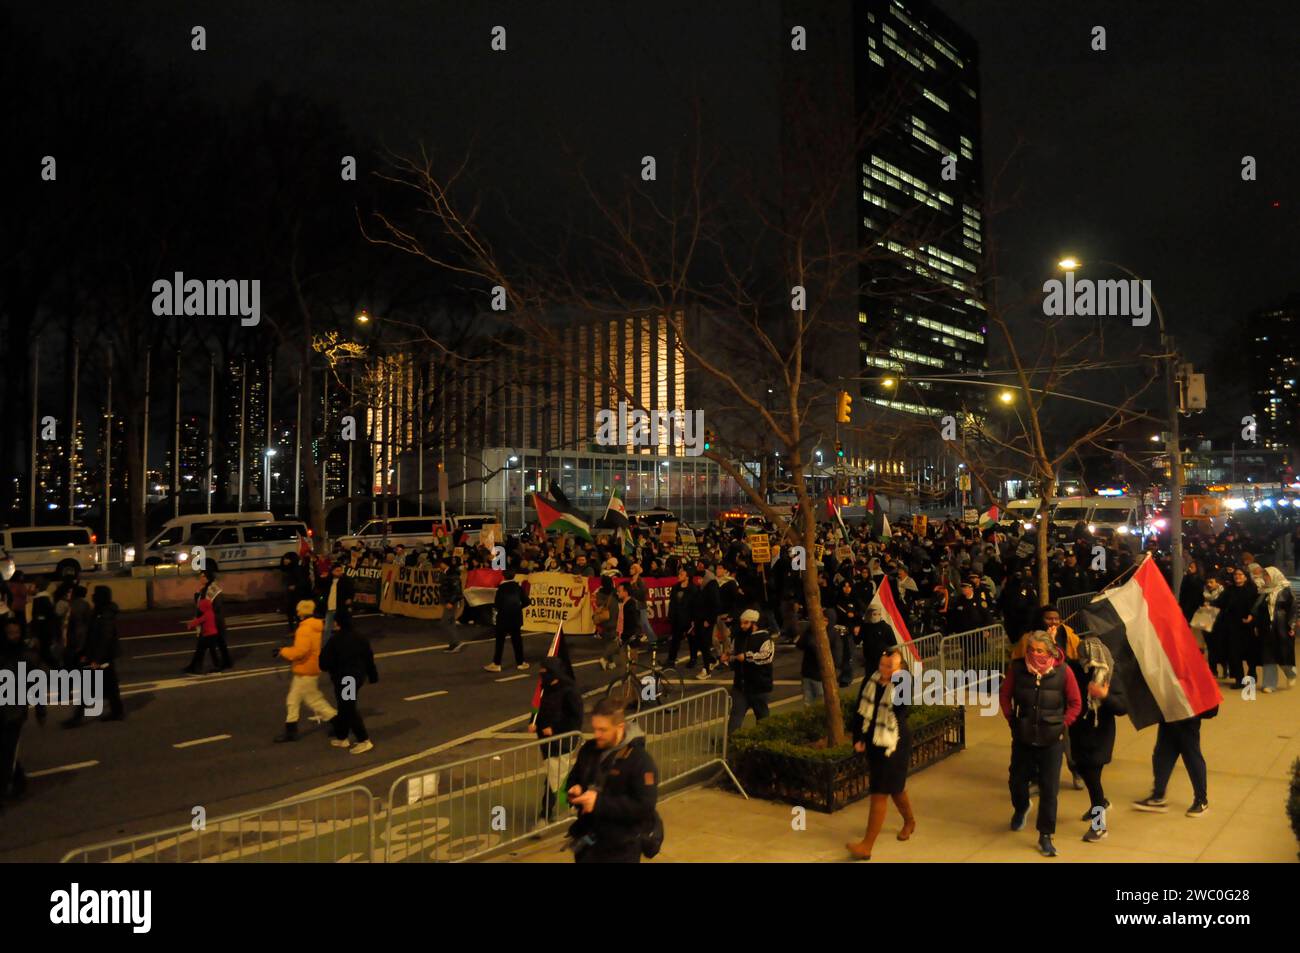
(176, 531)
(1021, 514)
(66, 550)
(239, 545)
(1105, 516)
(412, 531)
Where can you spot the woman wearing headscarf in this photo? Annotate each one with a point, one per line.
(1092, 736)
(1236, 623)
(880, 731)
(1276, 646)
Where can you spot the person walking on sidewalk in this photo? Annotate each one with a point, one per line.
(614, 784)
(305, 656)
(559, 712)
(1092, 736)
(511, 600)
(1040, 699)
(1175, 739)
(750, 658)
(880, 731)
(349, 661)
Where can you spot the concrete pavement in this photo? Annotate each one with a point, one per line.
(963, 808)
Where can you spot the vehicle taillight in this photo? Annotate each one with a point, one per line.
(93, 539)
(310, 533)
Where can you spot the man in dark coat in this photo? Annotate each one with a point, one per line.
(510, 604)
(615, 785)
(966, 612)
(349, 661)
(99, 654)
(559, 712)
(680, 610)
(14, 652)
(750, 658)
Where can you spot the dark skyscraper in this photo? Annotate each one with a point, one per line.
(921, 313)
(1274, 370)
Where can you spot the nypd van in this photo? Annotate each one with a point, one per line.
(239, 545)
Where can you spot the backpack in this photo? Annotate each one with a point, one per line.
(652, 841)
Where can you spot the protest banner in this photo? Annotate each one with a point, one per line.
(668, 533)
(920, 522)
(657, 590)
(689, 546)
(411, 591)
(760, 548)
(556, 597)
(844, 554)
(365, 584)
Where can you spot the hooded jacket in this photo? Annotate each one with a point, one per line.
(561, 706)
(628, 784)
(348, 653)
(305, 651)
(101, 639)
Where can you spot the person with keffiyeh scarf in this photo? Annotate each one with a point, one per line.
(1040, 699)
(880, 731)
(1092, 736)
(1276, 643)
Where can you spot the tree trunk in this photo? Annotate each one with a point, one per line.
(813, 601)
(1044, 508)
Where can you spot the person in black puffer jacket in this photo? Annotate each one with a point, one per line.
(349, 661)
(559, 712)
(511, 600)
(99, 653)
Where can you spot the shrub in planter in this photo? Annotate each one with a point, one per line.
(1293, 802)
(785, 757)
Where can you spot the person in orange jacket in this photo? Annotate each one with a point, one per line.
(305, 656)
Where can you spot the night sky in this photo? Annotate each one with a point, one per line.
(1132, 154)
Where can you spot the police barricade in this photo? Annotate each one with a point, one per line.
(975, 659)
(923, 651)
(1070, 606)
(335, 827)
(479, 805)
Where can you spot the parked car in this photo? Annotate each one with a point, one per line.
(240, 545)
(65, 550)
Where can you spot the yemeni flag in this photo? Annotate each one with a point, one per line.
(554, 519)
(989, 516)
(889, 614)
(1159, 665)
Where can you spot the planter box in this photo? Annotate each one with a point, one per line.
(830, 785)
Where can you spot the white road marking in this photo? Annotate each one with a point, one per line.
(515, 678)
(416, 698)
(200, 741)
(190, 632)
(239, 645)
(67, 767)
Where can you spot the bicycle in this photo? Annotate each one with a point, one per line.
(642, 683)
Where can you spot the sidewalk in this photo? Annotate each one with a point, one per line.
(963, 808)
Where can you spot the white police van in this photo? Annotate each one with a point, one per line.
(239, 545)
(176, 531)
(413, 531)
(65, 550)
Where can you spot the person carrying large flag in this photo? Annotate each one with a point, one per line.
(557, 710)
(1165, 678)
(833, 512)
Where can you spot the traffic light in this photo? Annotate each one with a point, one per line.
(839, 449)
(843, 407)
(709, 440)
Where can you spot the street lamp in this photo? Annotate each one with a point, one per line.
(505, 507)
(1070, 263)
(266, 475)
(888, 382)
(1006, 397)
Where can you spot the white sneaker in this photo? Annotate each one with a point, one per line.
(363, 746)
(340, 742)
(522, 667)
(704, 673)
(491, 667)
(1268, 691)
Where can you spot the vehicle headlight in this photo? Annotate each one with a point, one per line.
(181, 557)
(1026, 525)
(1122, 529)
(1092, 527)
(1161, 524)
(130, 553)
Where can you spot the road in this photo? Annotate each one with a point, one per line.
(206, 742)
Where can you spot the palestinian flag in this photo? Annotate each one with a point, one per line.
(889, 614)
(885, 531)
(833, 512)
(1157, 661)
(616, 516)
(989, 516)
(554, 519)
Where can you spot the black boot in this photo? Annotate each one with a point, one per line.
(290, 732)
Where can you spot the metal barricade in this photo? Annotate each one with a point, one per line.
(474, 806)
(109, 556)
(1070, 606)
(335, 827)
(974, 659)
